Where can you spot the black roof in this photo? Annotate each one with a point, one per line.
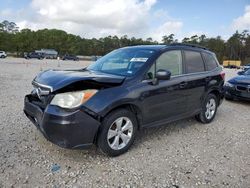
(163, 46)
(151, 47)
(189, 45)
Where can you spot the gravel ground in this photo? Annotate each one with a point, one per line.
(181, 154)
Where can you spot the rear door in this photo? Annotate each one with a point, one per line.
(195, 79)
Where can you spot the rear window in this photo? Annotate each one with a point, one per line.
(210, 61)
(194, 62)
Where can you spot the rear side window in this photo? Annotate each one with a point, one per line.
(194, 62)
(210, 61)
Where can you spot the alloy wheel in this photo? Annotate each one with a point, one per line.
(210, 108)
(120, 133)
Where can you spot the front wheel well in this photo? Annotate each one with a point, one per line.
(131, 107)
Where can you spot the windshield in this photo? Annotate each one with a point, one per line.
(124, 62)
(247, 72)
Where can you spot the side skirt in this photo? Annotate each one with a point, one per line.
(169, 120)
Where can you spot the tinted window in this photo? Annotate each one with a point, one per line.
(194, 62)
(210, 61)
(171, 61)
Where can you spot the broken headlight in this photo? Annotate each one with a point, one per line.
(72, 99)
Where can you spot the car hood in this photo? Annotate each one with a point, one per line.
(242, 79)
(58, 79)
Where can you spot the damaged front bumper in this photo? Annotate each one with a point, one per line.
(68, 129)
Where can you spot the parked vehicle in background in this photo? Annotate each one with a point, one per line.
(238, 87)
(34, 55)
(246, 67)
(232, 64)
(70, 57)
(48, 53)
(3, 54)
(126, 90)
(95, 58)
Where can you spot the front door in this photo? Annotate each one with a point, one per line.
(166, 99)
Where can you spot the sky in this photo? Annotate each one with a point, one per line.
(134, 18)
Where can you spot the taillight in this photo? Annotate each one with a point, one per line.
(222, 74)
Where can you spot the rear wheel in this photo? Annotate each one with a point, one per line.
(209, 109)
(117, 133)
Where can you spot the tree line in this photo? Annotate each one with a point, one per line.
(13, 40)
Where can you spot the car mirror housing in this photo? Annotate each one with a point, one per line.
(163, 74)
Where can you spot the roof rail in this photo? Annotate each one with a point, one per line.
(189, 45)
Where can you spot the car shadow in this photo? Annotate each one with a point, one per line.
(142, 137)
(164, 130)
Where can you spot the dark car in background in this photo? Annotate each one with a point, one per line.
(34, 55)
(124, 91)
(238, 87)
(70, 57)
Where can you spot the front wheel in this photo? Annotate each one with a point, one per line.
(117, 132)
(209, 109)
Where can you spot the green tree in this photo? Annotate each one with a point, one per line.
(169, 39)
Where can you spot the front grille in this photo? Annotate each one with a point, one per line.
(242, 88)
(42, 102)
(40, 96)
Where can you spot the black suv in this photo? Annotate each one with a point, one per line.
(70, 57)
(124, 91)
(34, 55)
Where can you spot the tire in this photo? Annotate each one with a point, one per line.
(118, 141)
(209, 109)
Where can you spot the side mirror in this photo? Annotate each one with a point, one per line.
(241, 72)
(163, 74)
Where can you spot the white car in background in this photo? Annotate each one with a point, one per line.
(3, 54)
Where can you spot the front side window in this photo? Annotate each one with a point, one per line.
(170, 60)
(194, 62)
(124, 62)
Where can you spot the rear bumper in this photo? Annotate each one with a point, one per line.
(235, 94)
(68, 129)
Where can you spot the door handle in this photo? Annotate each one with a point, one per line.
(183, 84)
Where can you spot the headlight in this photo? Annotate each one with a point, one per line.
(72, 99)
(227, 84)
